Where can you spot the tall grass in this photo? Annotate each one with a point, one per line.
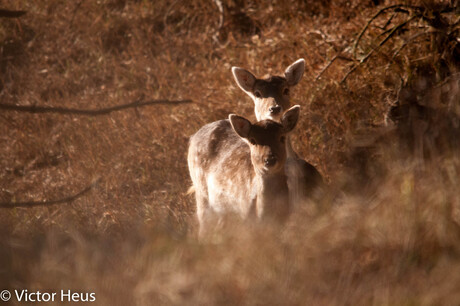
(386, 233)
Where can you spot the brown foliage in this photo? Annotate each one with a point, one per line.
(131, 239)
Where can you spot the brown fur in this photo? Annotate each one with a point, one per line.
(229, 169)
(304, 179)
(273, 91)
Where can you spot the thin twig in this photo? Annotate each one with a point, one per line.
(338, 56)
(85, 112)
(325, 67)
(411, 39)
(389, 21)
(355, 45)
(364, 59)
(68, 199)
(392, 32)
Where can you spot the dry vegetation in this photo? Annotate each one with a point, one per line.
(388, 232)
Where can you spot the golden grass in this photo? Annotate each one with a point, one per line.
(131, 240)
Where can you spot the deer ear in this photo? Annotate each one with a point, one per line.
(241, 125)
(290, 118)
(294, 72)
(244, 79)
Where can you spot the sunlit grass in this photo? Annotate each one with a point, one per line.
(393, 240)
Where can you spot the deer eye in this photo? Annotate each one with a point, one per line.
(252, 140)
(257, 94)
(286, 91)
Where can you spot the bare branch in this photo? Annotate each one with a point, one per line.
(325, 67)
(383, 10)
(67, 200)
(349, 72)
(86, 112)
(364, 59)
(388, 21)
(11, 14)
(408, 41)
(338, 56)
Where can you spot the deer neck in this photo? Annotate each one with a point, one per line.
(272, 196)
(290, 153)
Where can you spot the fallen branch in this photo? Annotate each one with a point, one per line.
(68, 199)
(85, 112)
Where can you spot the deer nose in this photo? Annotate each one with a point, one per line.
(275, 109)
(270, 160)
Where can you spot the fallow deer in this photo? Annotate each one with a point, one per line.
(271, 98)
(239, 167)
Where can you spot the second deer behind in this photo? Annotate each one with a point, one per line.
(271, 97)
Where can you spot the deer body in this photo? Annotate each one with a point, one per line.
(271, 99)
(239, 167)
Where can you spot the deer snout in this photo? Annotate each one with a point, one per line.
(275, 109)
(270, 160)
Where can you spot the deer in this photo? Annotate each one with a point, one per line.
(271, 97)
(239, 167)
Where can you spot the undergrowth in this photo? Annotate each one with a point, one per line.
(379, 119)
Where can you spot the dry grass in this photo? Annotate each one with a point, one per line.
(131, 240)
